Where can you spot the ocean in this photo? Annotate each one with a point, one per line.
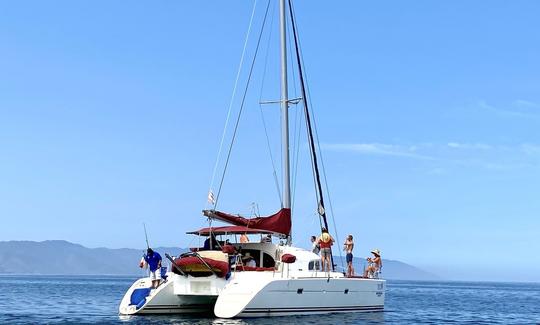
(94, 300)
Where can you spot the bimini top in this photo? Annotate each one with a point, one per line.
(228, 230)
(278, 223)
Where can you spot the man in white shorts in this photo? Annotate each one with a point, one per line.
(154, 264)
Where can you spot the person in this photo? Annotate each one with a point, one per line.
(325, 242)
(154, 263)
(348, 248)
(249, 260)
(315, 248)
(266, 239)
(244, 239)
(375, 263)
(232, 253)
(211, 243)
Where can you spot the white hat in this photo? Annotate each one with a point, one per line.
(325, 237)
(376, 252)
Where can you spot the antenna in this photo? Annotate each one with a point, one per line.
(146, 236)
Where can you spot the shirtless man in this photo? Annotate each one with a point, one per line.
(348, 248)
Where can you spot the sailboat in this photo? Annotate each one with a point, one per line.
(280, 279)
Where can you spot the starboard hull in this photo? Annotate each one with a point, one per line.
(300, 296)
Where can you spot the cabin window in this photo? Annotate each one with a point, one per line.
(268, 261)
(314, 265)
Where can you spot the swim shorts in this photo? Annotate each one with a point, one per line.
(325, 252)
(155, 275)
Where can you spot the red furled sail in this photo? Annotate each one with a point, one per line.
(228, 230)
(195, 267)
(279, 223)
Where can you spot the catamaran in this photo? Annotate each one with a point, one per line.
(279, 279)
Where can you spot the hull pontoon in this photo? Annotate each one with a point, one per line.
(297, 288)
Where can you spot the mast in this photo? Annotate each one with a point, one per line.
(284, 108)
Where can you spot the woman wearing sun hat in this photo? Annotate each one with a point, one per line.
(374, 263)
(248, 260)
(325, 242)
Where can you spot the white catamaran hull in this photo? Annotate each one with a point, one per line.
(297, 288)
(303, 295)
(258, 294)
(178, 295)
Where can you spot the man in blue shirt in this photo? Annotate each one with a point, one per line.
(154, 264)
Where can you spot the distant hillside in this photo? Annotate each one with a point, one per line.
(396, 270)
(62, 257)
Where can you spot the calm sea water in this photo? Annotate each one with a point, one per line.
(94, 300)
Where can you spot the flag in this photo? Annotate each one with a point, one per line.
(142, 263)
(211, 198)
(321, 209)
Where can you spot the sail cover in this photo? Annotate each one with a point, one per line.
(279, 222)
(228, 230)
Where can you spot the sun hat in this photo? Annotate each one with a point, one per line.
(376, 252)
(325, 237)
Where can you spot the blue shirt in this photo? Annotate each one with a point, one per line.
(153, 260)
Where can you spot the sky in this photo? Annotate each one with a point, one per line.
(427, 112)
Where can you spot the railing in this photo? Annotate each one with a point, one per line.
(373, 274)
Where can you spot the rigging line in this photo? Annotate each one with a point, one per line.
(320, 151)
(292, 61)
(321, 209)
(308, 126)
(308, 120)
(298, 135)
(242, 105)
(233, 95)
(296, 125)
(332, 214)
(327, 188)
(276, 180)
(297, 148)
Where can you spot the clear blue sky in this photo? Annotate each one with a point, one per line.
(428, 115)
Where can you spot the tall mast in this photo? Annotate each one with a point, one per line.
(284, 108)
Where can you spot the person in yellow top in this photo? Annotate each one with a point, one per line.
(325, 242)
(244, 239)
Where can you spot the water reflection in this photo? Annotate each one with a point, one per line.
(94, 300)
(345, 318)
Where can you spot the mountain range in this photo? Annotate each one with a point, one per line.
(59, 257)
